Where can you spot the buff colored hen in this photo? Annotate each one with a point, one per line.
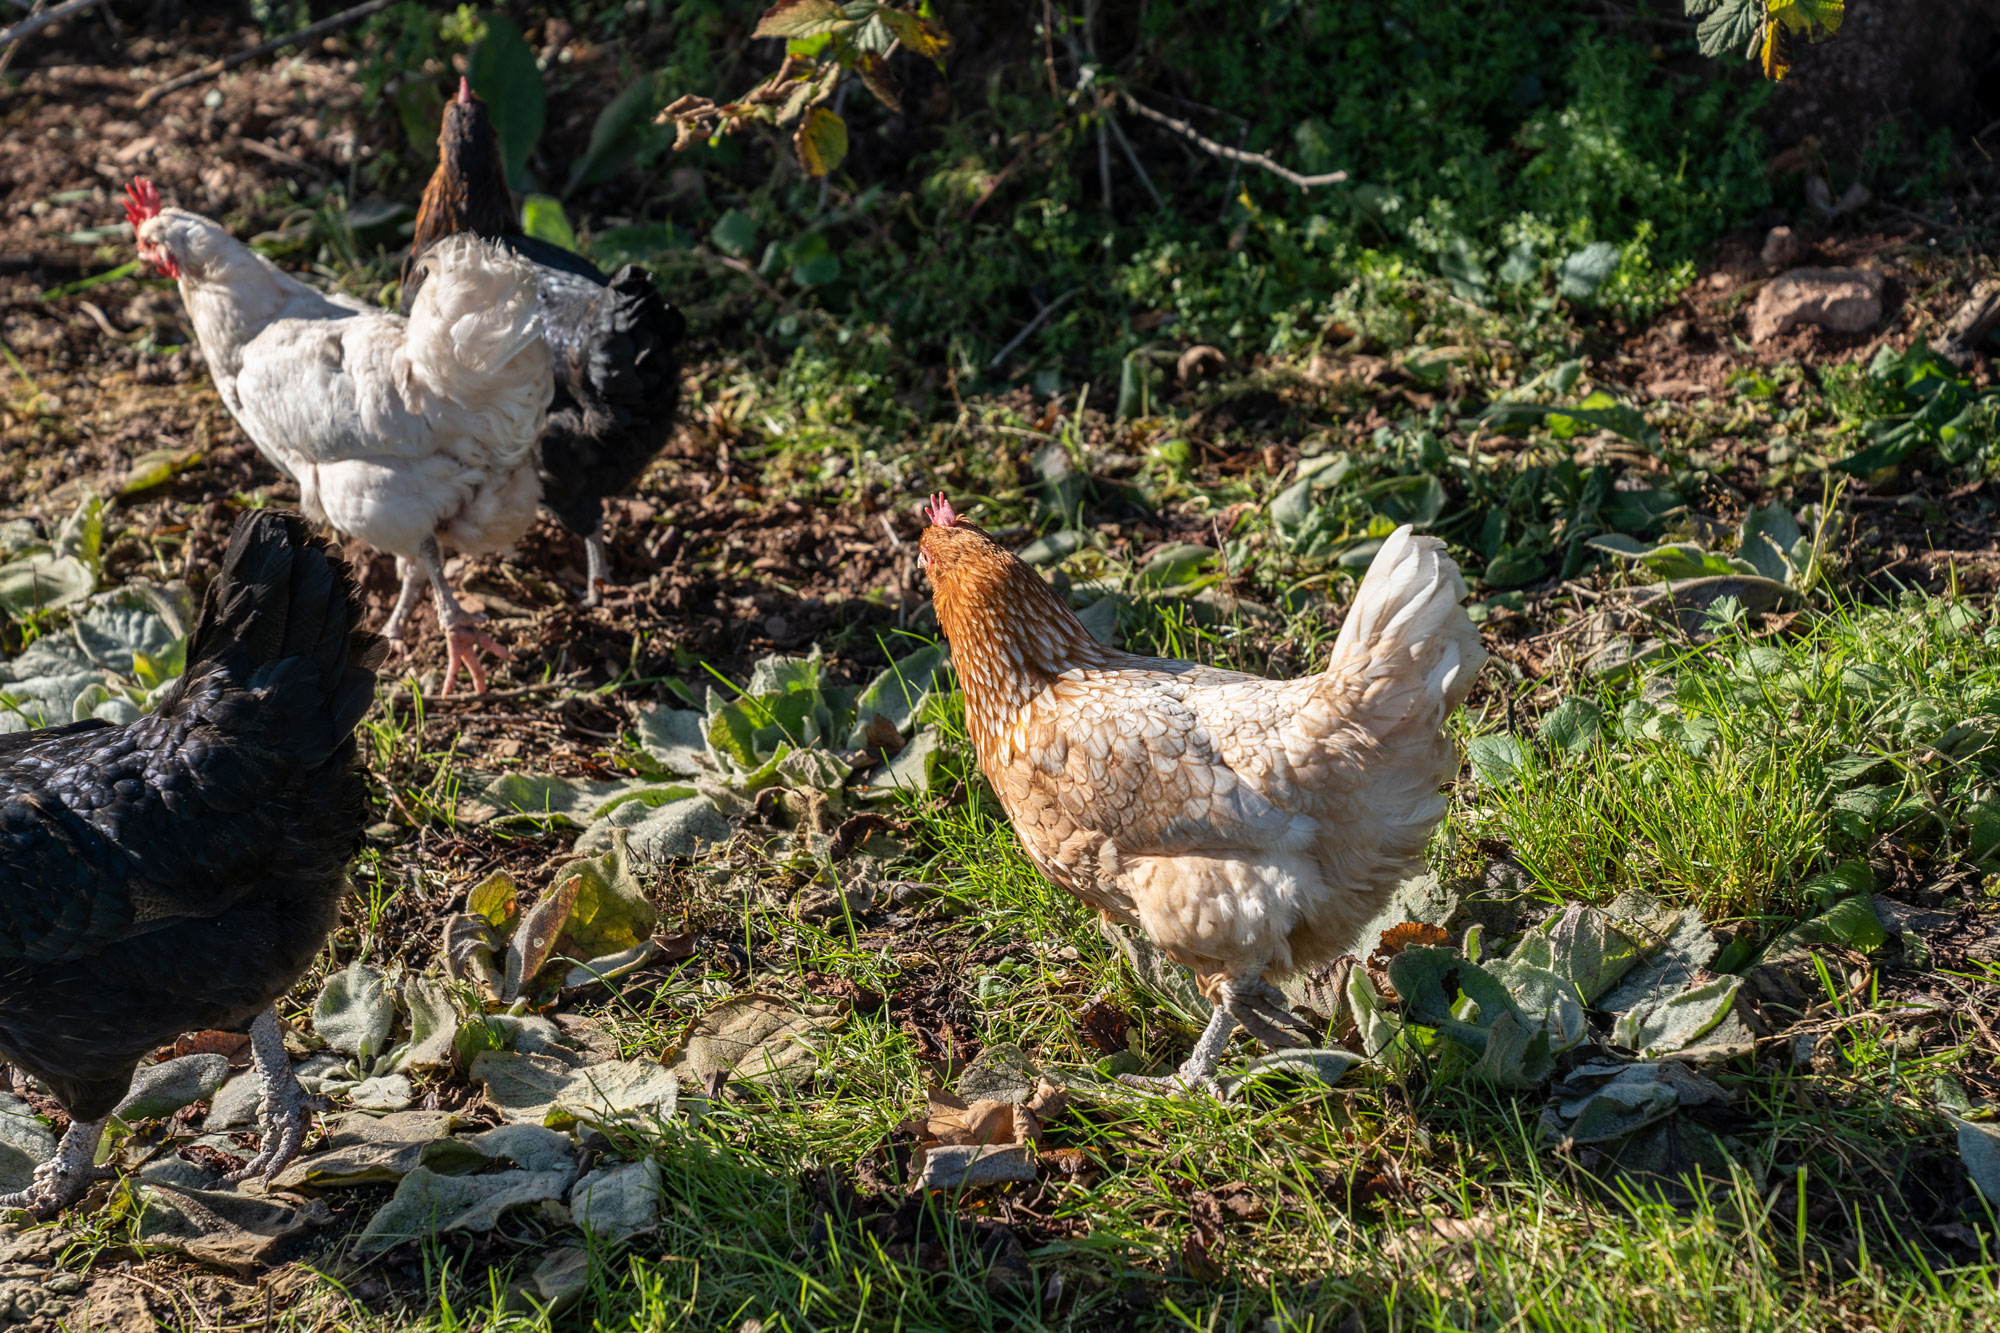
(1250, 827)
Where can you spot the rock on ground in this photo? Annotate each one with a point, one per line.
(1845, 300)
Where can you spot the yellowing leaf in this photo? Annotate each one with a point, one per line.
(927, 39)
(495, 899)
(821, 141)
(800, 18)
(874, 72)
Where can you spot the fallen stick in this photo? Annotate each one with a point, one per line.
(346, 18)
(1224, 151)
(34, 23)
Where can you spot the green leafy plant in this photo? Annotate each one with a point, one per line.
(1921, 401)
(825, 42)
(592, 924)
(1764, 28)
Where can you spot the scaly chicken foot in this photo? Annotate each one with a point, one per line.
(1259, 1008)
(597, 569)
(285, 1113)
(396, 628)
(462, 636)
(64, 1178)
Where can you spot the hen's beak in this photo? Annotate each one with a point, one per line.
(159, 258)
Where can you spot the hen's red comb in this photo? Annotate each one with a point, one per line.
(464, 91)
(940, 512)
(142, 201)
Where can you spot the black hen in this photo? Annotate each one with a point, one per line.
(615, 339)
(181, 871)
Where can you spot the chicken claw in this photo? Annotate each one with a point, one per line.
(1262, 1011)
(286, 1110)
(462, 643)
(64, 1178)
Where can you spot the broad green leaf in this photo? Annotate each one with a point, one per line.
(1728, 28)
(1583, 947)
(1497, 761)
(1514, 566)
(1679, 1021)
(355, 1011)
(1769, 539)
(427, 1204)
(42, 582)
(1572, 727)
(610, 913)
(735, 234)
(897, 693)
(1174, 564)
(542, 217)
(616, 136)
(502, 71)
(820, 140)
(1582, 272)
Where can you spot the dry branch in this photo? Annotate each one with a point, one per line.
(34, 23)
(346, 18)
(1227, 153)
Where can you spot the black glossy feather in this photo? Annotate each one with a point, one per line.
(182, 870)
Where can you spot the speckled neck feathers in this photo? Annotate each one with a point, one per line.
(1011, 634)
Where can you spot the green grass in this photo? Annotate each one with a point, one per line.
(1729, 770)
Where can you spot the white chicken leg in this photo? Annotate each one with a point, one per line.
(597, 570)
(1261, 1010)
(462, 635)
(63, 1179)
(285, 1113)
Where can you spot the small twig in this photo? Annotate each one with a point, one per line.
(1125, 145)
(1040, 317)
(346, 18)
(895, 542)
(1181, 127)
(34, 23)
(735, 265)
(282, 158)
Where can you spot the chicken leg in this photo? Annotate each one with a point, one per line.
(597, 570)
(1259, 1007)
(462, 635)
(63, 1179)
(285, 1113)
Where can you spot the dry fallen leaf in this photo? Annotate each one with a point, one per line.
(1410, 933)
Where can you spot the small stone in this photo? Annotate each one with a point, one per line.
(1783, 247)
(162, 1089)
(65, 1284)
(1844, 300)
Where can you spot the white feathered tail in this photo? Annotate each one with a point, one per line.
(475, 342)
(1408, 637)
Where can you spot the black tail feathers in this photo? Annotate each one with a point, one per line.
(285, 594)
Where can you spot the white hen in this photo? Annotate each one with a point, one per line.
(410, 434)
